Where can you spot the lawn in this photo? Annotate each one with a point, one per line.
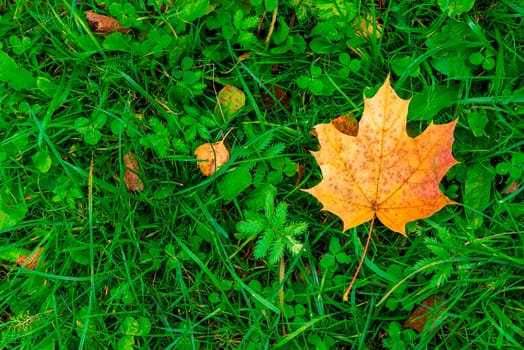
(112, 237)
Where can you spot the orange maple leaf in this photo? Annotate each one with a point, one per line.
(381, 170)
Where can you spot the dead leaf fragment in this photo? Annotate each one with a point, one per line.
(280, 95)
(30, 261)
(512, 187)
(420, 316)
(367, 26)
(382, 171)
(211, 156)
(245, 56)
(131, 178)
(104, 24)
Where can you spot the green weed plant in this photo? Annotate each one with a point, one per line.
(195, 263)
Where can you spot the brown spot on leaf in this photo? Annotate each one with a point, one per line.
(346, 124)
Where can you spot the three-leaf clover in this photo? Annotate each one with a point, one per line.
(90, 128)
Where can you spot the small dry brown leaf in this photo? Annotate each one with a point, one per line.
(512, 187)
(367, 26)
(245, 56)
(30, 261)
(131, 179)
(104, 24)
(421, 314)
(280, 94)
(211, 156)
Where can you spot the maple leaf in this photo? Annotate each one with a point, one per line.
(381, 170)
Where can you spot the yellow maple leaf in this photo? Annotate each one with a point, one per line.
(381, 170)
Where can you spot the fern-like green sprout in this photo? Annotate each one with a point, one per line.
(275, 233)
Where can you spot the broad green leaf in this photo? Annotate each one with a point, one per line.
(80, 256)
(127, 342)
(118, 42)
(453, 65)
(12, 209)
(193, 9)
(234, 183)
(303, 82)
(455, 7)
(8, 67)
(453, 45)
(100, 120)
(275, 177)
(316, 87)
(434, 98)
(11, 254)
(477, 121)
(282, 33)
(270, 5)
(476, 58)
(46, 86)
(92, 135)
(401, 64)
(81, 124)
(139, 326)
(477, 193)
(18, 78)
(19, 45)
(187, 63)
(42, 161)
(488, 63)
(334, 245)
(23, 80)
(322, 45)
(87, 43)
(256, 198)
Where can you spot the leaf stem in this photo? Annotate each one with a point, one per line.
(272, 25)
(281, 292)
(346, 294)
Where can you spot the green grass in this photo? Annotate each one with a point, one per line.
(169, 267)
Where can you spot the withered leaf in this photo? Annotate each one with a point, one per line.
(421, 314)
(280, 95)
(104, 24)
(382, 171)
(131, 178)
(211, 156)
(31, 260)
(367, 26)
